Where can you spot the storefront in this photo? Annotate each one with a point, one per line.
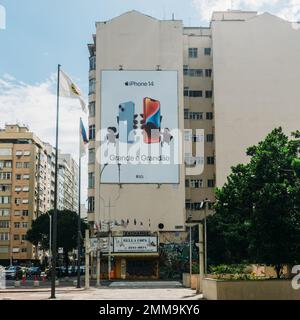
(133, 257)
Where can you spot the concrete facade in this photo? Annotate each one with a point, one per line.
(134, 31)
(237, 82)
(256, 70)
(26, 189)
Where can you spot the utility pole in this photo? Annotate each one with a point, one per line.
(50, 241)
(205, 237)
(201, 259)
(98, 270)
(87, 259)
(109, 238)
(191, 258)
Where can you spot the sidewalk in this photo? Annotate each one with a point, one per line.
(69, 293)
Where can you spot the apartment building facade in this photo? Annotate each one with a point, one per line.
(230, 95)
(26, 190)
(68, 173)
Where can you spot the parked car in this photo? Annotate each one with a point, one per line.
(73, 270)
(33, 271)
(13, 272)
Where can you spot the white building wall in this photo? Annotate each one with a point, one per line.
(256, 84)
(136, 41)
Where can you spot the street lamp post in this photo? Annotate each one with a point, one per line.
(50, 239)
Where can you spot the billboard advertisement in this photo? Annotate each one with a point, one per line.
(135, 244)
(139, 127)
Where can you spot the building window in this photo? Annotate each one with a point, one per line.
(18, 176)
(27, 153)
(196, 183)
(187, 183)
(186, 114)
(208, 94)
(25, 225)
(18, 189)
(93, 63)
(23, 250)
(188, 204)
(19, 165)
(17, 225)
(5, 152)
(17, 213)
(209, 116)
(197, 206)
(91, 180)
(207, 51)
(4, 188)
(26, 189)
(91, 204)
(4, 212)
(5, 164)
(210, 160)
(210, 137)
(92, 109)
(210, 183)
(25, 213)
(25, 201)
(208, 73)
(19, 153)
(4, 224)
(92, 132)
(26, 176)
(18, 201)
(196, 73)
(26, 165)
(23, 237)
(196, 115)
(193, 52)
(4, 200)
(92, 155)
(16, 237)
(4, 236)
(195, 93)
(5, 175)
(185, 70)
(186, 91)
(92, 86)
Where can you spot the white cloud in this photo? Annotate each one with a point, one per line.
(286, 9)
(35, 106)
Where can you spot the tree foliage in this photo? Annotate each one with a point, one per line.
(66, 231)
(257, 217)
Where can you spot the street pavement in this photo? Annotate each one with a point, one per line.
(119, 290)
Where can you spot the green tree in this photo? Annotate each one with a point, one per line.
(66, 232)
(257, 217)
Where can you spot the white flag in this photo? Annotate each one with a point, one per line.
(69, 89)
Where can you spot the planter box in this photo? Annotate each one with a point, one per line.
(188, 282)
(214, 289)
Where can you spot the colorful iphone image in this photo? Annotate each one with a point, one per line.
(151, 113)
(126, 122)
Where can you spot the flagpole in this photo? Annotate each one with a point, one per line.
(79, 211)
(54, 220)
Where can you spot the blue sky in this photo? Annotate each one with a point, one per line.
(40, 34)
